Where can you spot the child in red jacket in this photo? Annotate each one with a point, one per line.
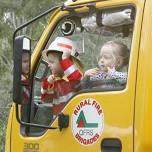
(61, 85)
(25, 86)
(24, 77)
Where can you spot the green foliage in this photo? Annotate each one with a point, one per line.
(13, 13)
(3, 121)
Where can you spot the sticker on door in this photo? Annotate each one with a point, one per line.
(87, 121)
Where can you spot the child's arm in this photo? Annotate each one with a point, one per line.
(70, 70)
(47, 92)
(24, 80)
(91, 72)
(121, 77)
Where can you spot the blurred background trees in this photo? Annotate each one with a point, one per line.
(13, 13)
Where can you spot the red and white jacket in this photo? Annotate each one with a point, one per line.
(61, 90)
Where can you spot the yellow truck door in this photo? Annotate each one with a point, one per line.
(101, 116)
(143, 102)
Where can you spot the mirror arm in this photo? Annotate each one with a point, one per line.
(30, 124)
(63, 121)
(34, 19)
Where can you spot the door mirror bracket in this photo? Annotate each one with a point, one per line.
(63, 121)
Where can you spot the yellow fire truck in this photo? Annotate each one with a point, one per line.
(102, 115)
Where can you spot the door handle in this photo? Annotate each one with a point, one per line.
(111, 145)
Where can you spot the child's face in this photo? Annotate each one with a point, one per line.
(25, 63)
(54, 64)
(106, 58)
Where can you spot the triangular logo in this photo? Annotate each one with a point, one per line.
(82, 123)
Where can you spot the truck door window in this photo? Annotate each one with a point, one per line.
(102, 43)
(103, 40)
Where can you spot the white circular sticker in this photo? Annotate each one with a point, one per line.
(87, 121)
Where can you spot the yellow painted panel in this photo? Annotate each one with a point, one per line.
(118, 106)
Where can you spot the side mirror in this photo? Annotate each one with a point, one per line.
(22, 45)
(63, 121)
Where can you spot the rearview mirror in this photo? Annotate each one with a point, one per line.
(21, 56)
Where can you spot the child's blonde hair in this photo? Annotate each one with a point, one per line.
(119, 50)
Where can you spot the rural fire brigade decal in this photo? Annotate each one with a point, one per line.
(87, 122)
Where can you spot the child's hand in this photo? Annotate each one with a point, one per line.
(66, 54)
(43, 91)
(111, 70)
(91, 72)
(23, 78)
(50, 79)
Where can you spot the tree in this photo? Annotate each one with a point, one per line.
(14, 13)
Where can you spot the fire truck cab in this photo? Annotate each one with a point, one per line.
(102, 115)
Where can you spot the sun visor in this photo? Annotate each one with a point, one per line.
(116, 18)
(100, 22)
